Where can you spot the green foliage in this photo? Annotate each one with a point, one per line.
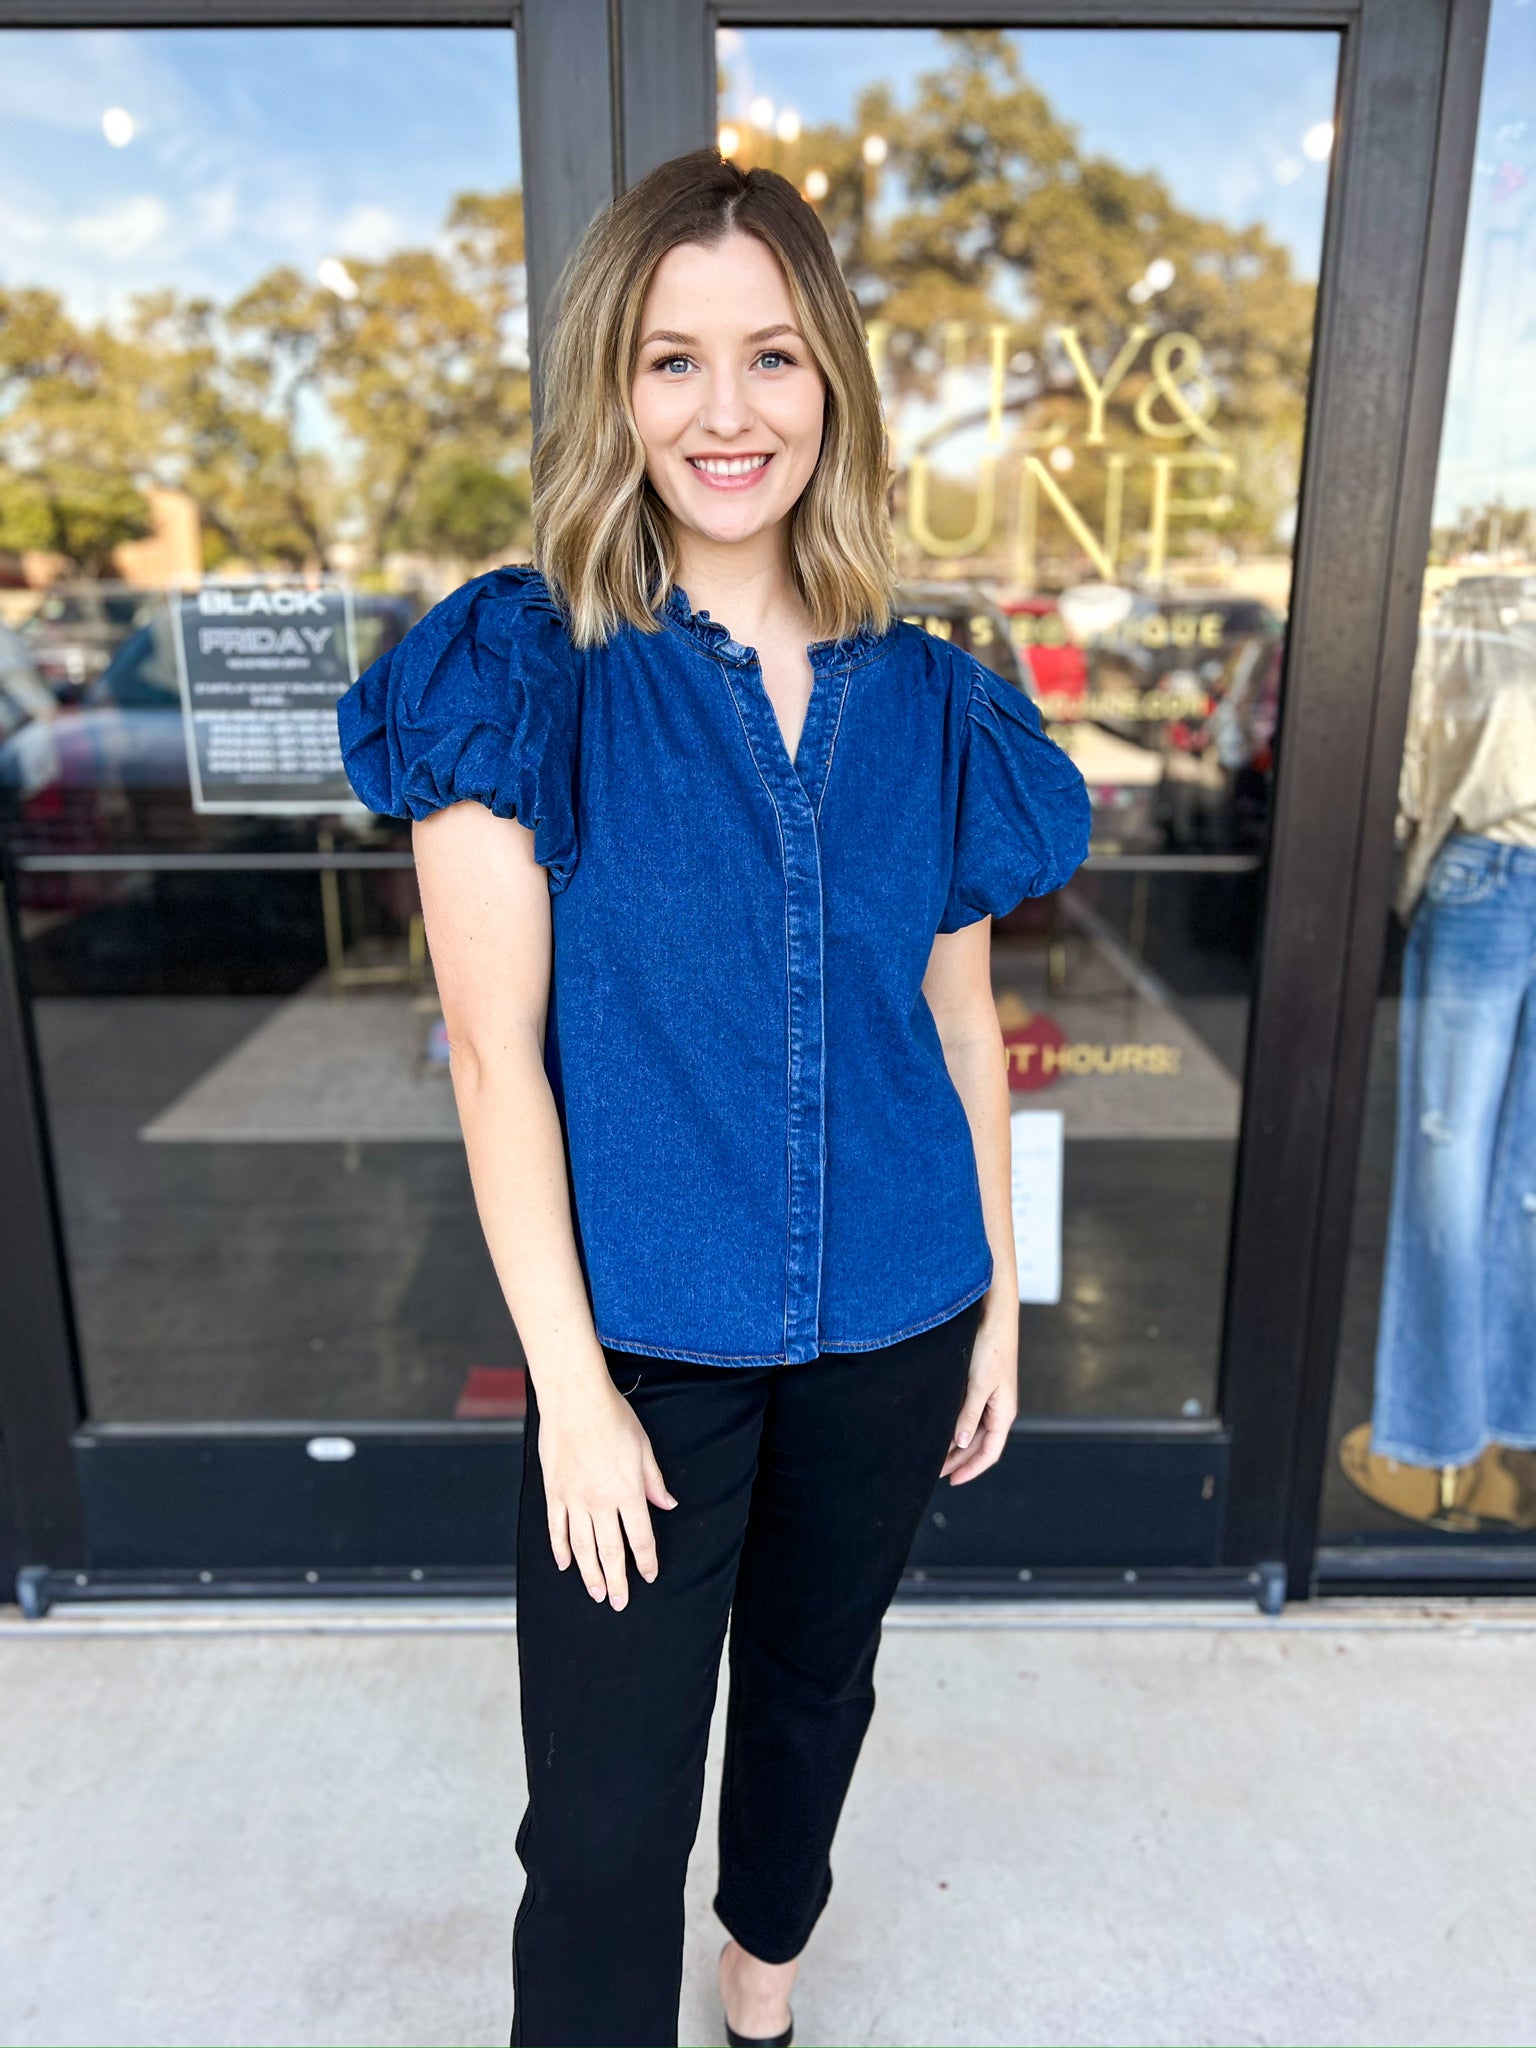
(1487, 530)
(73, 511)
(71, 439)
(464, 509)
(294, 417)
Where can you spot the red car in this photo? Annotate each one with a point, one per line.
(1039, 633)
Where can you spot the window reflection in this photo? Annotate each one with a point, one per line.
(1435, 1414)
(263, 348)
(262, 317)
(1086, 262)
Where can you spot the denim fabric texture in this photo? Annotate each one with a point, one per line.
(768, 1157)
(1456, 1344)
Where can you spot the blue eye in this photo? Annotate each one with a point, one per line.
(773, 358)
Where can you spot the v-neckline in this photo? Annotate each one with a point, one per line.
(831, 662)
(791, 754)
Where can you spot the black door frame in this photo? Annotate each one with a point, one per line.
(1216, 1507)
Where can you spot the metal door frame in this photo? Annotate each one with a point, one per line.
(1237, 1498)
(1409, 91)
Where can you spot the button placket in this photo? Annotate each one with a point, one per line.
(804, 962)
(795, 790)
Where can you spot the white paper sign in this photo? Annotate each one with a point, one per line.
(1037, 1161)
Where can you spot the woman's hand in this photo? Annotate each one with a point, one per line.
(599, 1474)
(958, 988)
(991, 1393)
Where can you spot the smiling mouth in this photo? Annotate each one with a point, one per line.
(729, 472)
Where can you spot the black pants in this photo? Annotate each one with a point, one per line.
(799, 1490)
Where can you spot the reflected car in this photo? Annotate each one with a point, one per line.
(1194, 680)
(1057, 666)
(1179, 646)
(78, 628)
(24, 696)
(110, 772)
(1489, 604)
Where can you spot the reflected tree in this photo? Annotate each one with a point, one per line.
(386, 407)
(73, 446)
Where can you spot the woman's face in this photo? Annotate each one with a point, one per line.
(726, 395)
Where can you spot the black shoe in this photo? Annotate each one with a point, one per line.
(758, 2040)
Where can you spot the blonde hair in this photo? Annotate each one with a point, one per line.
(602, 536)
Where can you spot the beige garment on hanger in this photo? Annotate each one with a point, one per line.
(1469, 762)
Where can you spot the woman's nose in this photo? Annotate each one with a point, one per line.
(726, 408)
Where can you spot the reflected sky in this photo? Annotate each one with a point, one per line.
(1219, 114)
(238, 149)
(1488, 450)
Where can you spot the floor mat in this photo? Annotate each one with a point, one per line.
(1109, 1049)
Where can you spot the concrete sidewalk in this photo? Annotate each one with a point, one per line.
(295, 1824)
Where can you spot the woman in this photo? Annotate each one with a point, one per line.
(708, 845)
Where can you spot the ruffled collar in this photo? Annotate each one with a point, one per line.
(715, 639)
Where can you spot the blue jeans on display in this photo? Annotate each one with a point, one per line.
(1456, 1345)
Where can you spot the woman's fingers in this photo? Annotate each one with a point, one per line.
(584, 1544)
(596, 1538)
(610, 1548)
(986, 1449)
(976, 1398)
(591, 1522)
(597, 1543)
(636, 1517)
(958, 1461)
(656, 1488)
(985, 1439)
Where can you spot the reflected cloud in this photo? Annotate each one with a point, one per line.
(251, 149)
(216, 210)
(19, 225)
(48, 80)
(370, 232)
(124, 231)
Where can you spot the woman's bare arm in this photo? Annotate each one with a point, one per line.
(958, 988)
(486, 904)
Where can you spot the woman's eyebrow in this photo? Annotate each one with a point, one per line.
(691, 340)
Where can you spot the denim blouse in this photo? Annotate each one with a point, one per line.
(767, 1156)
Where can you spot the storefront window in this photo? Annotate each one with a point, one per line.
(264, 396)
(1087, 262)
(1435, 1409)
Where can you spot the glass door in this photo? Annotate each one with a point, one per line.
(264, 356)
(1430, 1472)
(1093, 325)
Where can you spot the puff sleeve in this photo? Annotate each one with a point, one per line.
(1022, 819)
(476, 701)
